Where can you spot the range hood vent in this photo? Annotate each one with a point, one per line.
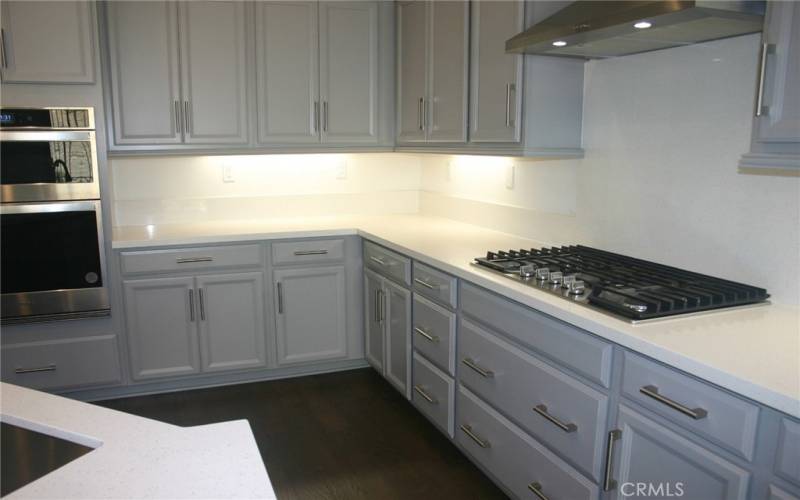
(600, 29)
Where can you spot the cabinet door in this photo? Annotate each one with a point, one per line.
(47, 42)
(373, 310)
(348, 48)
(447, 113)
(231, 318)
(652, 455)
(214, 71)
(312, 314)
(411, 70)
(161, 319)
(145, 77)
(287, 72)
(398, 336)
(495, 77)
(780, 117)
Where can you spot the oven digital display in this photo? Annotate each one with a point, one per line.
(6, 118)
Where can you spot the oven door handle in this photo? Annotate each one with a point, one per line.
(51, 207)
(47, 135)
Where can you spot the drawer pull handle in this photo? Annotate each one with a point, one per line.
(189, 260)
(609, 483)
(542, 410)
(536, 488)
(483, 372)
(483, 443)
(426, 284)
(380, 261)
(310, 252)
(428, 336)
(430, 399)
(652, 392)
(48, 368)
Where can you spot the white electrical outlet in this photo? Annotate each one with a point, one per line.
(227, 173)
(341, 169)
(510, 176)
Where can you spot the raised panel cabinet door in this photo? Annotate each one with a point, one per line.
(449, 52)
(47, 42)
(669, 465)
(145, 76)
(230, 312)
(312, 314)
(161, 322)
(373, 314)
(780, 113)
(214, 71)
(348, 48)
(495, 77)
(287, 72)
(412, 64)
(398, 336)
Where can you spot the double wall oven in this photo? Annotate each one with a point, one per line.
(53, 258)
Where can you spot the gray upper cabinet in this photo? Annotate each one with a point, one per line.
(214, 71)
(311, 314)
(496, 77)
(287, 72)
(411, 70)
(776, 125)
(348, 47)
(145, 76)
(47, 42)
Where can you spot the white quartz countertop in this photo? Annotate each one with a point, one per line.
(136, 457)
(753, 351)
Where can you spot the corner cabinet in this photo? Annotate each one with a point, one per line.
(47, 42)
(776, 125)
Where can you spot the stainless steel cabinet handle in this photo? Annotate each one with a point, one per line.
(609, 483)
(382, 305)
(3, 53)
(652, 392)
(379, 261)
(202, 305)
(536, 488)
(324, 116)
(427, 397)
(280, 297)
(48, 368)
(186, 115)
(376, 308)
(419, 114)
(510, 87)
(483, 443)
(483, 372)
(191, 305)
(425, 284)
(431, 338)
(542, 410)
(766, 49)
(316, 116)
(310, 252)
(189, 260)
(178, 119)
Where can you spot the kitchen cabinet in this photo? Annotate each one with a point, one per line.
(776, 125)
(47, 42)
(184, 325)
(373, 287)
(173, 83)
(433, 46)
(311, 319)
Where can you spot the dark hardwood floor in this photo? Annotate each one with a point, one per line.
(346, 435)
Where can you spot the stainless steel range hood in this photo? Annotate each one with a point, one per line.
(600, 29)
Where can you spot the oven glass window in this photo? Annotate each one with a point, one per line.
(52, 162)
(49, 251)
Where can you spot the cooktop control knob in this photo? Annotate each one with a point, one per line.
(567, 280)
(556, 277)
(527, 271)
(542, 274)
(576, 288)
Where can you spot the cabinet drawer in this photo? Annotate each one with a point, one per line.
(190, 259)
(388, 263)
(787, 461)
(434, 329)
(62, 363)
(433, 393)
(304, 251)
(435, 285)
(557, 409)
(719, 417)
(561, 342)
(514, 458)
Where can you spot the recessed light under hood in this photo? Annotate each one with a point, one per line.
(599, 29)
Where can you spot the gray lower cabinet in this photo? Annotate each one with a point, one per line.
(373, 303)
(661, 463)
(47, 42)
(311, 314)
